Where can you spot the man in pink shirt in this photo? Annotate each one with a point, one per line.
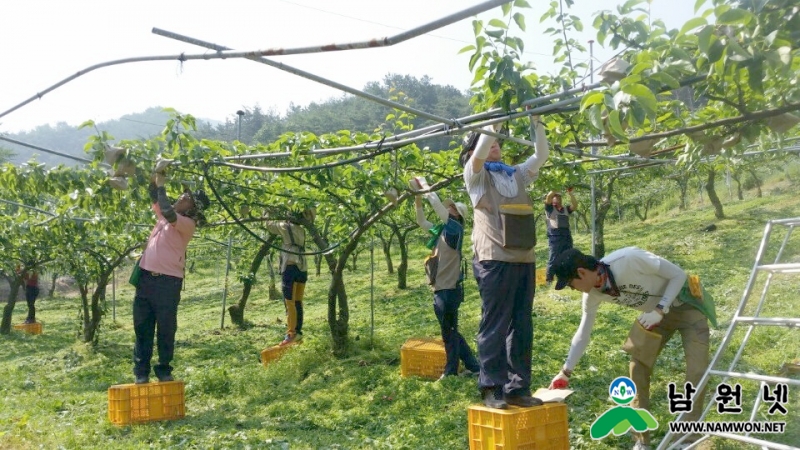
(158, 291)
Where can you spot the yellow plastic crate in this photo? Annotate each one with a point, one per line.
(541, 277)
(422, 357)
(30, 328)
(140, 403)
(538, 428)
(274, 353)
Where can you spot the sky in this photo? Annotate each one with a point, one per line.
(45, 41)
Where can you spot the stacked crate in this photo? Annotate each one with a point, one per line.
(537, 428)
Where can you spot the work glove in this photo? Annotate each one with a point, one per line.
(650, 320)
(561, 381)
(162, 164)
(418, 184)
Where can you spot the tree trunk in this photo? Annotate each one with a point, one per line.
(402, 268)
(14, 282)
(757, 181)
(642, 215)
(683, 185)
(738, 179)
(317, 263)
(52, 291)
(236, 311)
(83, 288)
(275, 294)
(92, 323)
(603, 208)
(712, 195)
(387, 254)
(338, 313)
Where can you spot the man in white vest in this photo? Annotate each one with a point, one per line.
(504, 264)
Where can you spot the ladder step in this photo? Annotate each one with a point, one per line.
(755, 376)
(780, 268)
(779, 321)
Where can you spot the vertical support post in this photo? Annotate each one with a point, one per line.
(594, 152)
(225, 289)
(372, 290)
(114, 295)
(239, 113)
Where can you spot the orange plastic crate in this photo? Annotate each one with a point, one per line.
(422, 357)
(537, 428)
(541, 277)
(274, 353)
(139, 403)
(30, 328)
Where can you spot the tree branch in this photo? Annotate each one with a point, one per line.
(758, 115)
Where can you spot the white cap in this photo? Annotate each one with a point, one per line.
(460, 207)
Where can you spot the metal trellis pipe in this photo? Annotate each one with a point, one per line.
(46, 150)
(372, 43)
(307, 75)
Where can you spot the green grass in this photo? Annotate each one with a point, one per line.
(53, 389)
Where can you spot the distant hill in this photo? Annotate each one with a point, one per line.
(70, 140)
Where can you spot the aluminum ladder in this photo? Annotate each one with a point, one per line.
(750, 322)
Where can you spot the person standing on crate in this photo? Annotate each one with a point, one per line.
(668, 300)
(446, 278)
(31, 280)
(158, 289)
(294, 272)
(559, 237)
(504, 263)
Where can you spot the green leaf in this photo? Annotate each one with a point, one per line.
(521, 4)
(643, 95)
(497, 23)
(666, 79)
(477, 26)
(593, 98)
(755, 76)
(735, 16)
(506, 8)
(705, 37)
(737, 53)
(520, 20)
(596, 117)
(468, 48)
(615, 125)
(88, 123)
(698, 4)
(497, 34)
(715, 52)
(639, 68)
(691, 25)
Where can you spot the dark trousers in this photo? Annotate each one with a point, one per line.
(155, 306)
(445, 305)
(505, 336)
(31, 293)
(558, 243)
